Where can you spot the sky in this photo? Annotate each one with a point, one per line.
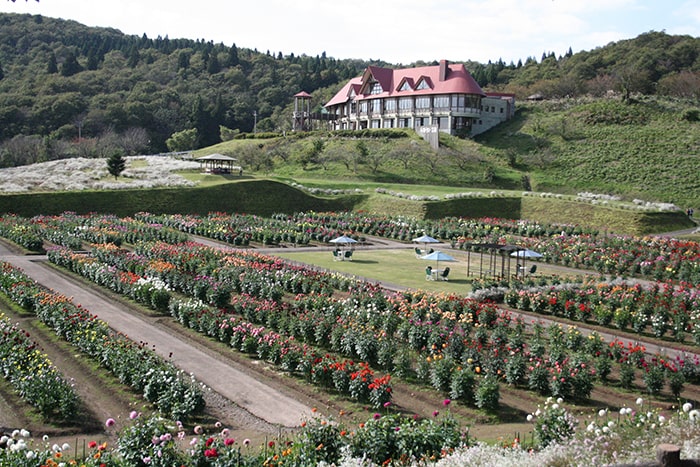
(395, 31)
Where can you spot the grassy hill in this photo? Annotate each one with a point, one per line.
(648, 149)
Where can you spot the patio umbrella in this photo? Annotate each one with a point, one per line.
(525, 254)
(438, 256)
(343, 240)
(425, 239)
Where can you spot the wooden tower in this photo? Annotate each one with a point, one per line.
(302, 112)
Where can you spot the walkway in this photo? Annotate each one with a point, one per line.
(230, 382)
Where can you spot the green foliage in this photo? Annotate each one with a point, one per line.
(227, 134)
(184, 140)
(116, 164)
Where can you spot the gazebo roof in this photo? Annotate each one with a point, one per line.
(217, 157)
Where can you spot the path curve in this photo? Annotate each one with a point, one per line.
(230, 382)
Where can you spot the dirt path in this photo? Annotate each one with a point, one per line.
(270, 405)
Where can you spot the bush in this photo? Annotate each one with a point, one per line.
(488, 393)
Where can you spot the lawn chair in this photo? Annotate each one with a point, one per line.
(418, 252)
(533, 269)
(337, 255)
(429, 273)
(443, 274)
(348, 255)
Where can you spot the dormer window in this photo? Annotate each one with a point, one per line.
(376, 88)
(422, 84)
(405, 86)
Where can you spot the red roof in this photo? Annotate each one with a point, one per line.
(457, 81)
(302, 94)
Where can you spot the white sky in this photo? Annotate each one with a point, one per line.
(396, 31)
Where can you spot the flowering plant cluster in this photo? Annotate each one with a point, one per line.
(611, 436)
(655, 258)
(628, 305)
(20, 231)
(33, 375)
(134, 365)
(236, 229)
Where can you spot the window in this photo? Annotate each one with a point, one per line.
(388, 123)
(423, 102)
(375, 123)
(441, 102)
(405, 86)
(501, 109)
(363, 107)
(376, 105)
(376, 88)
(422, 84)
(406, 103)
(389, 105)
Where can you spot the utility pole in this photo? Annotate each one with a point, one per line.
(255, 121)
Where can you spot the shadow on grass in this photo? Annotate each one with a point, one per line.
(364, 261)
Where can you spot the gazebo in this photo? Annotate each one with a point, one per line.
(489, 266)
(219, 164)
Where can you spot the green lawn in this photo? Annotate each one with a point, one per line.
(397, 267)
(400, 267)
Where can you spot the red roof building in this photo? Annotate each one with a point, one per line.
(443, 96)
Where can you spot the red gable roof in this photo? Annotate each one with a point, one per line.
(457, 81)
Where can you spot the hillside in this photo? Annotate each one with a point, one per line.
(648, 150)
(68, 90)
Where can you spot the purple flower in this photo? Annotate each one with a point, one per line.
(377, 416)
(110, 422)
(436, 413)
(446, 402)
(387, 404)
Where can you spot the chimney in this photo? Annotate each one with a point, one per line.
(443, 70)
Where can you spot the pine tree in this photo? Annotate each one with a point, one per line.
(70, 66)
(116, 164)
(52, 66)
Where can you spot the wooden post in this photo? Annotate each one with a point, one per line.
(668, 455)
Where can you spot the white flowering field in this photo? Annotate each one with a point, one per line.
(91, 174)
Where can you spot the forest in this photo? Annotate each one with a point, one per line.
(70, 90)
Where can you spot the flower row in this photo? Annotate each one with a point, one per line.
(172, 392)
(267, 345)
(33, 375)
(655, 308)
(410, 333)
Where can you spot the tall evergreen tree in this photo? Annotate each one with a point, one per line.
(213, 66)
(52, 66)
(116, 164)
(70, 66)
(2, 73)
(232, 59)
